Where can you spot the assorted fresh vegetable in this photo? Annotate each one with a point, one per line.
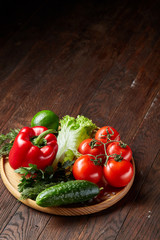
(121, 149)
(106, 134)
(69, 166)
(45, 118)
(34, 180)
(85, 169)
(67, 193)
(72, 132)
(36, 145)
(118, 172)
(92, 147)
(114, 157)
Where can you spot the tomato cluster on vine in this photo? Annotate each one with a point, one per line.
(105, 155)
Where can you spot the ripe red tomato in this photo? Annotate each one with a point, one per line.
(85, 169)
(118, 174)
(120, 149)
(89, 146)
(107, 133)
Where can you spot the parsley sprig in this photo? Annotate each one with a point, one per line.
(34, 180)
(6, 141)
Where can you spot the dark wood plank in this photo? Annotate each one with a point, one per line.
(73, 70)
(4, 209)
(21, 227)
(13, 15)
(71, 45)
(94, 66)
(25, 72)
(139, 97)
(132, 71)
(143, 220)
(13, 54)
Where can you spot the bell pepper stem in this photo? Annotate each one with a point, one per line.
(39, 139)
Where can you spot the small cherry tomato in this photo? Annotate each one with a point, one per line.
(91, 146)
(85, 169)
(118, 174)
(120, 148)
(107, 133)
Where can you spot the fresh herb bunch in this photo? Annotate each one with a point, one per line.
(6, 141)
(34, 180)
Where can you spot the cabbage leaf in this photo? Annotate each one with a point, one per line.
(72, 132)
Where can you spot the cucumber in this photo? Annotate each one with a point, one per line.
(74, 191)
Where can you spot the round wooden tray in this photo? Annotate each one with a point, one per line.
(11, 181)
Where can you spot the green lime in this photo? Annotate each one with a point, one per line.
(45, 118)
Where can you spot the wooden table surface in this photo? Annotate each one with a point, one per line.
(100, 59)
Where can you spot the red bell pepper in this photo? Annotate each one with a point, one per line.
(36, 145)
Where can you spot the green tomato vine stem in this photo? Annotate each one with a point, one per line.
(97, 159)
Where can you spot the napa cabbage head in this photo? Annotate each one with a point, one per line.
(72, 132)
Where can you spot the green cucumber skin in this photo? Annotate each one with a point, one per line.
(75, 191)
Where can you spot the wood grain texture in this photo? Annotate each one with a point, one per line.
(100, 59)
(144, 218)
(147, 171)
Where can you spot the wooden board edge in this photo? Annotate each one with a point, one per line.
(67, 211)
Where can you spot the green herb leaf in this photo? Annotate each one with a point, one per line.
(32, 192)
(38, 180)
(25, 183)
(6, 142)
(32, 169)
